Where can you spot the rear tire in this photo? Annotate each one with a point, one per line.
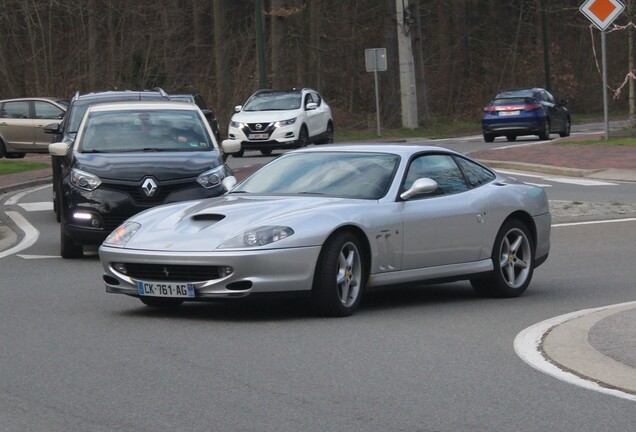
(513, 263)
(68, 248)
(566, 129)
(545, 133)
(3, 151)
(511, 137)
(489, 137)
(340, 276)
(328, 137)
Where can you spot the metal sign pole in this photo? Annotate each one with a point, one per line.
(377, 94)
(605, 102)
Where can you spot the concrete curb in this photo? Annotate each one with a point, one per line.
(567, 345)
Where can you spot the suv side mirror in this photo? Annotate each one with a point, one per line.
(311, 106)
(238, 108)
(564, 102)
(58, 149)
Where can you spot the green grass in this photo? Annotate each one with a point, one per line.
(13, 166)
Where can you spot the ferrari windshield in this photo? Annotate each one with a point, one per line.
(273, 101)
(144, 130)
(338, 174)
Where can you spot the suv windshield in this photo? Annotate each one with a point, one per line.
(273, 101)
(144, 130)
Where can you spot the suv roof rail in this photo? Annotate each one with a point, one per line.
(76, 96)
(161, 91)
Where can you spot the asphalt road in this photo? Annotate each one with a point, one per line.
(433, 358)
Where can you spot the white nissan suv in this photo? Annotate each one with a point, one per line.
(281, 119)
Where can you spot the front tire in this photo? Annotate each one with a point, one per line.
(303, 137)
(489, 137)
(266, 152)
(68, 248)
(340, 276)
(513, 263)
(511, 137)
(239, 153)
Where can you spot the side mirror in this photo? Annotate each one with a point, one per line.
(228, 183)
(564, 102)
(420, 186)
(58, 149)
(311, 106)
(231, 146)
(53, 128)
(238, 108)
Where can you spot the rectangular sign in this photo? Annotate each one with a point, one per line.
(375, 59)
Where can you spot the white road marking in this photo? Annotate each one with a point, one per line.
(568, 180)
(16, 198)
(538, 185)
(580, 182)
(37, 206)
(606, 221)
(31, 234)
(527, 345)
(34, 257)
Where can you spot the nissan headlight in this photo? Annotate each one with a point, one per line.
(122, 234)
(260, 236)
(287, 122)
(212, 178)
(236, 125)
(84, 180)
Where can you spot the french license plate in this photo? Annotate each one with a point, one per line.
(509, 113)
(258, 136)
(165, 289)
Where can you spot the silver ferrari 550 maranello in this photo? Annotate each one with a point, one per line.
(330, 222)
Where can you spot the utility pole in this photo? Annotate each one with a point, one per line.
(408, 94)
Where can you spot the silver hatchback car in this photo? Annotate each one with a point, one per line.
(22, 123)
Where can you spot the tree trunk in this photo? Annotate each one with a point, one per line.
(221, 63)
(278, 30)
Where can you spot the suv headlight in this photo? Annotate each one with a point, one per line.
(288, 122)
(84, 180)
(212, 178)
(236, 125)
(260, 236)
(122, 234)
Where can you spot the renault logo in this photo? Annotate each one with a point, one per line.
(258, 126)
(149, 187)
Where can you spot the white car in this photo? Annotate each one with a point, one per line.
(281, 119)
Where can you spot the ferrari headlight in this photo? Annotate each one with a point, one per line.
(212, 178)
(260, 236)
(84, 180)
(288, 122)
(122, 234)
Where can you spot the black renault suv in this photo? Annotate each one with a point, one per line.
(67, 130)
(131, 156)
